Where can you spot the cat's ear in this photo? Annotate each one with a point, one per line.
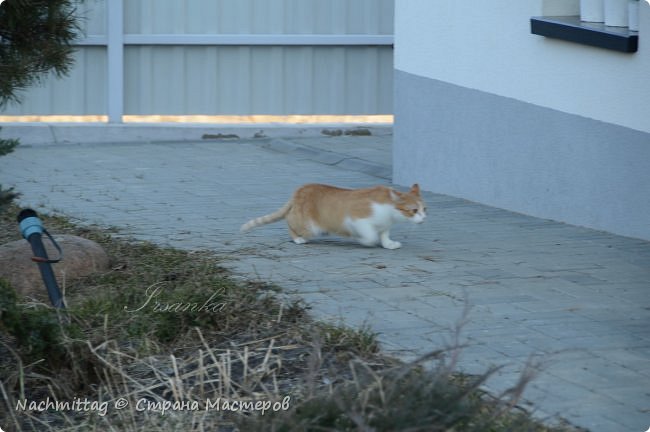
(415, 189)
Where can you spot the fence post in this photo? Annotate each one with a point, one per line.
(115, 60)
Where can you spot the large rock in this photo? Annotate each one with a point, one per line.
(81, 257)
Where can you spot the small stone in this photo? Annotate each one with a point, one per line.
(81, 257)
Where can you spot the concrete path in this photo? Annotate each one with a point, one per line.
(577, 298)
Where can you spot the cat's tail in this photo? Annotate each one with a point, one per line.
(267, 219)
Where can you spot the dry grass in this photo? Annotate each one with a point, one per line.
(235, 367)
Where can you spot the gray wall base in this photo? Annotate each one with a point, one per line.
(521, 157)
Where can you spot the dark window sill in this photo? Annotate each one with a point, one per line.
(570, 28)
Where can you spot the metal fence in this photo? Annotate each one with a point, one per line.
(225, 57)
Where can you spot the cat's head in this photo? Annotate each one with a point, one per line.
(410, 204)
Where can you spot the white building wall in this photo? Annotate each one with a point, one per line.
(487, 111)
(487, 45)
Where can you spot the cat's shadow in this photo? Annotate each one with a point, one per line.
(336, 243)
(329, 241)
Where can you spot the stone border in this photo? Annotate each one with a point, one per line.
(37, 134)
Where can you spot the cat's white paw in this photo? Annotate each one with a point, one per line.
(299, 240)
(391, 244)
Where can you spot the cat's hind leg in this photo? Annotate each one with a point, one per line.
(297, 229)
(387, 243)
(297, 239)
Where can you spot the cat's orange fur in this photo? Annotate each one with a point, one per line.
(366, 214)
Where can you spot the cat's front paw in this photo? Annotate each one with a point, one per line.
(391, 244)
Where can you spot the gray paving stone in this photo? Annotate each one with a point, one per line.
(577, 296)
(632, 397)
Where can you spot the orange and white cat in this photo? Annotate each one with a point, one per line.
(366, 214)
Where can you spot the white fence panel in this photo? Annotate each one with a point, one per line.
(225, 57)
(258, 80)
(259, 17)
(83, 92)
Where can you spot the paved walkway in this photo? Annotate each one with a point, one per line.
(577, 297)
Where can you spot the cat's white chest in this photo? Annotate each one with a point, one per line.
(383, 216)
